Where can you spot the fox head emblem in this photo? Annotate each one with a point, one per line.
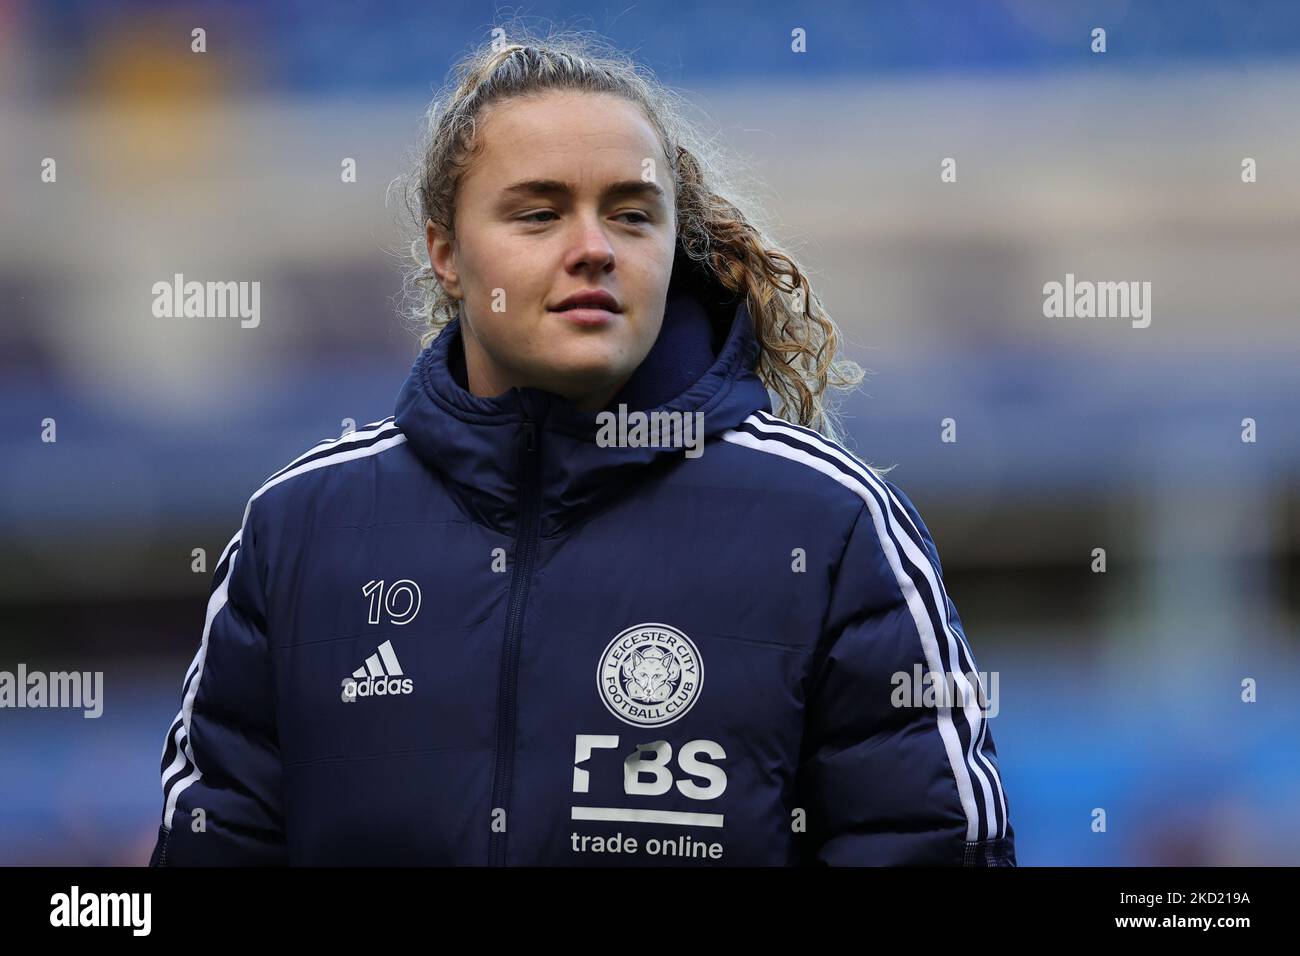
(650, 675)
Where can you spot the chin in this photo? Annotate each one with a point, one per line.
(601, 357)
(585, 370)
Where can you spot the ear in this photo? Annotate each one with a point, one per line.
(442, 256)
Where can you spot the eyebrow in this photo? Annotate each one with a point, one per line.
(553, 187)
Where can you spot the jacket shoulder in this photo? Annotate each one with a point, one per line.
(333, 476)
(886, 526)
(331, 461)
(800, 459)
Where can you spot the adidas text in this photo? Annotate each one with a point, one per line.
(374, 687)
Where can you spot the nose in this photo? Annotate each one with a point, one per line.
(590, 248)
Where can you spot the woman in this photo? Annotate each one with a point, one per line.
(584, 599)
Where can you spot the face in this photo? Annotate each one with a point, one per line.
(555, 206)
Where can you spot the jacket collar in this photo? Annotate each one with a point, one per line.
(703, 361)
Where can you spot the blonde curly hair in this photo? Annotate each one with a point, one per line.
(798, 340)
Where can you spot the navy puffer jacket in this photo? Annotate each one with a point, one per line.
(477, 633)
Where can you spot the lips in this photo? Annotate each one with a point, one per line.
(589, 299)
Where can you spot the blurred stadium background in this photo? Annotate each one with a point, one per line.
(1118, 690)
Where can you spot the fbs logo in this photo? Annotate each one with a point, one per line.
(379, 676)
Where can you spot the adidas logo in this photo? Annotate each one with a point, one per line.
(379, 676)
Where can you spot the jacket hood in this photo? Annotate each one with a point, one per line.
(703, 361)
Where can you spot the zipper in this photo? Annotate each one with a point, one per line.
(525, 552)
(162, 853)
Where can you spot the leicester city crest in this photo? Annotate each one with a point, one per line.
(649, 675)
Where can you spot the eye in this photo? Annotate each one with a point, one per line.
(643, 220)
(528, 217)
